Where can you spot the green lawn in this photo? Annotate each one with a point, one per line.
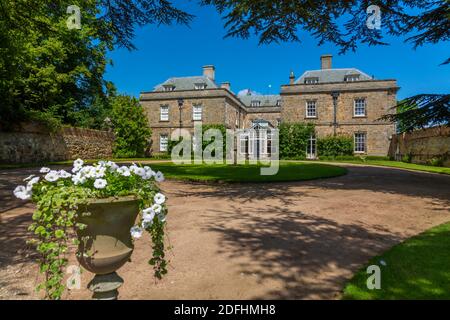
(418, 268)
(397, 164)
(288, 171)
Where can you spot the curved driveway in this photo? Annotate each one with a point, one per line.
(297, 240)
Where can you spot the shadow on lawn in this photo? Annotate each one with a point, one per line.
(385, 180)
(309, 255)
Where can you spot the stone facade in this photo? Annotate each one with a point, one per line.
(333, 116)
(32, 143)
(379, 97)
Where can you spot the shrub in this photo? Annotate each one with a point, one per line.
(294, 139)
(407, 158)
(130, 126)
(335, 146)
(205, 143)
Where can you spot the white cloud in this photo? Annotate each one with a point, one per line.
(248, 92)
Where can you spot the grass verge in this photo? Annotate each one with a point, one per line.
(418, 268)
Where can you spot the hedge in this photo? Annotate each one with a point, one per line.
(294, 139)
(335, 146)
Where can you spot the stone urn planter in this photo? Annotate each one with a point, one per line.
(106, 244)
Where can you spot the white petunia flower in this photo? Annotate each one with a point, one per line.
(99, 172)
(78, 163)
(100, 183)
(32, 182)
(124, 171)
(159, 177)
(78, 179)
(136, 232)
(88, 172)
(148, 214)
(156, 207)
(112, 166)
(140, 172)
(161, 217)
(28, 178)
(22, 192)
(159, 198)
(52, 176)
(44, 170)
(64, 174)
(102, 163)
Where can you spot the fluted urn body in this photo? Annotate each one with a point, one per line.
(106, 244)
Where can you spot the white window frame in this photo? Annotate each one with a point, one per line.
(243, 143)
(352, 78)
(357, 102)
(197, 112)
(307, 115)
(164, 115)
(255, 103)
(311, 80)
(200, 86)
(163, 147)
(357, 142)
(169, 88)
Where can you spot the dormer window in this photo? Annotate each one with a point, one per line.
(311, 80)
(255, 103)
(200, 86)
(351, 78)
(169, 87)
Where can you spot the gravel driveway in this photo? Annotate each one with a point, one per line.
(299, 240)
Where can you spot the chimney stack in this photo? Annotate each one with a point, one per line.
(326, 61)
(291, 77)
(226, 85)
(209, 71)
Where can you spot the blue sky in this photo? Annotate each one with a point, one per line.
(169, 51)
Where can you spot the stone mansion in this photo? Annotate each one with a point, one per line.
(338, 101)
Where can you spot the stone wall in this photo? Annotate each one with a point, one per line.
(32, 143)
(422, 145)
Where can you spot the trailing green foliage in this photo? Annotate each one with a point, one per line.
(58, 195)
(130, 127)
(293, 139)
(335, 146)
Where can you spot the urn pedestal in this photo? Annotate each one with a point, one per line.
(106, 244)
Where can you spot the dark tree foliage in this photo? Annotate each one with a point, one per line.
(342, 23)
(120, 17)
(428, 110)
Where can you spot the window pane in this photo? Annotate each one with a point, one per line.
(164, 113)
(360, 142)
(197, 113)
(163, 142)
(310, 109)
(360, 107)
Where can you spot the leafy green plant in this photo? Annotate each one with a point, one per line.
(205, 142)
(335, 146)
(407, 158)
(58, 194)
(130, 127)
(294, 139)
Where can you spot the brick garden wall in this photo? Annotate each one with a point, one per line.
(30, 143)
(422, 145)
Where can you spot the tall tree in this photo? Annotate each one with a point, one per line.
(49, 71)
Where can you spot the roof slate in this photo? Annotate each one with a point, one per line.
(186, 83)
(332, 75)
